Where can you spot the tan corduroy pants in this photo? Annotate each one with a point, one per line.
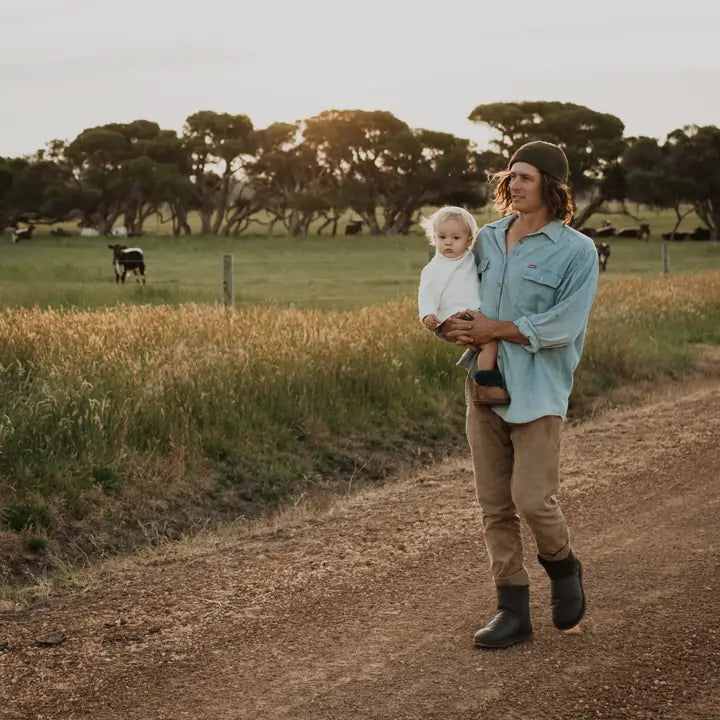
(516, 468)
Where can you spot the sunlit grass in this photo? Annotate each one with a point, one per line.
(113, 422)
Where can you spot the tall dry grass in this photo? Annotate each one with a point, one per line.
(114, 423)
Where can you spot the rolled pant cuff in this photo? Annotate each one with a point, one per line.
(559, 555)
(521, 577)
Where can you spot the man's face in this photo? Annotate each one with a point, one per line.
(525, 188)
(452, 238)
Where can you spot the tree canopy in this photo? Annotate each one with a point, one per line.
(368, 162)
(593, 142)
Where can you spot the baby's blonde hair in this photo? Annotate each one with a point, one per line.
(449, 212)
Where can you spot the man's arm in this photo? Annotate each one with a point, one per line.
(559, 326)
(563, 322)
(509, 331)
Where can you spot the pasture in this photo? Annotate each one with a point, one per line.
(323, 272)
(130, 414)
(129, 425)
(319, 272)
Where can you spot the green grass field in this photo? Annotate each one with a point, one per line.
(324, 272)
(126, 426)
(321, 272)
(130, 425)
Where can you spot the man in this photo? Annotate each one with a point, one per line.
(538, 282)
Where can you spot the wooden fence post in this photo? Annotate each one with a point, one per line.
(666, 257)
(228, 282)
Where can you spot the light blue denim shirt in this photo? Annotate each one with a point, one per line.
(545, 286)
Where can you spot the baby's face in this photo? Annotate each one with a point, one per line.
(452, 238)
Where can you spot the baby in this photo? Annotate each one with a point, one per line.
(449, 284)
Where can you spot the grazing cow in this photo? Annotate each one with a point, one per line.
(642, 232)
(353, 227)
(60, 232)
(700, 233)
(121, 231)
(603, 251)
(24, 234)
(124, 259)
(677, 237)
(607, 230)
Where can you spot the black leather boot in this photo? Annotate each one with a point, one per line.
(566, 595)
(512, 624)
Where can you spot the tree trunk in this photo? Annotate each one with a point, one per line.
(306, 223)
(238, 227)
(704, 211)
(131, 211)
(592, 207)
(221, 207)
(324, 225)
(206, 221)
(105, 220)
(333, 219)
(235, 217)
(665, 243)
(370, 220)
(180, 213)
(715, 231)
(143, 215)
(293, 225)
(402, 223)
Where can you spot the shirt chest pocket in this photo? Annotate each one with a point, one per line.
(537, 290)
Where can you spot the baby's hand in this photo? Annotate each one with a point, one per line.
(431, 322)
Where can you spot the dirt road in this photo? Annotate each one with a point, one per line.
(368, 610)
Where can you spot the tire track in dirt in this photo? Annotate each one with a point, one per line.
(368, 610)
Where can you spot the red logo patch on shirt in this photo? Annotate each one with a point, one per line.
(534, 267)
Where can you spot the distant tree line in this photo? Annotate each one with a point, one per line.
(234, 175)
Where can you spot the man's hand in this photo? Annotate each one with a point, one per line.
(470, 328)
(474, 329)
(431, 322)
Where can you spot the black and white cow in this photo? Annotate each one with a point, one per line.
(22, 234)
(605, 230)
(642, 231)
(353, 227)
(124, 259)
(603, 251)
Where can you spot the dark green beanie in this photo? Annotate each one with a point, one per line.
(544, 156)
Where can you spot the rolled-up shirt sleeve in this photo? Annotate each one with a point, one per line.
(563, 322)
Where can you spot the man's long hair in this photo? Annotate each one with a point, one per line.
(556, 195)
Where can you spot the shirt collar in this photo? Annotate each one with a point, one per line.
(552, 230)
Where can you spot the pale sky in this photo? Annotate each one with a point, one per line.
(70, 64)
